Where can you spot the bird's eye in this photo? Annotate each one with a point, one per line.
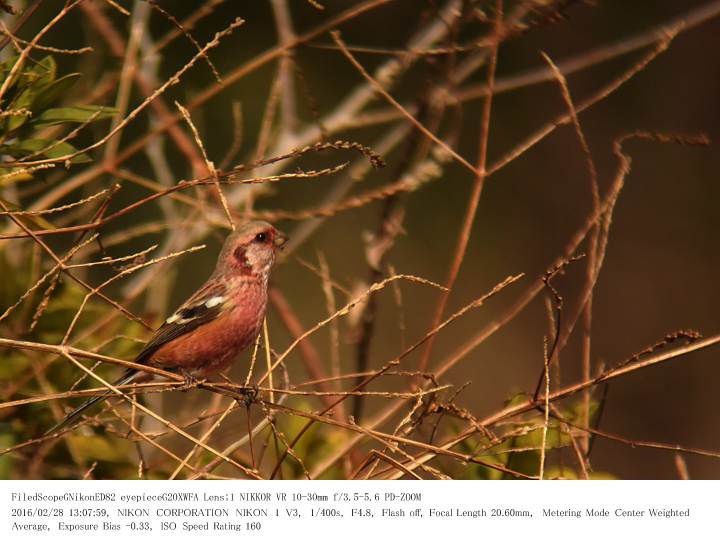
(261, 237)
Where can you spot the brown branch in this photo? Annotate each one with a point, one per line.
(474, 198)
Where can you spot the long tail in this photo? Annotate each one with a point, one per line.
(126, 378)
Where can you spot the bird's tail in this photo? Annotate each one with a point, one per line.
(126, 378)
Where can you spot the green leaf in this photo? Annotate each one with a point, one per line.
(6, 177)
(575, 413)
(50, 93)
(50, 149)
(516, 399)
(5, 69)
(98, 448)
(554, 438)
(602, 475)
(24, 100)
(73, 114)
(31, 76)
(554, 472)
(46, 70)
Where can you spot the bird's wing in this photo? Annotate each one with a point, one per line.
(204, 306)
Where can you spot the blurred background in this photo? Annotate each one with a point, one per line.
(660, 271)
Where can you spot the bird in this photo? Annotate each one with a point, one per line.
(222, 318)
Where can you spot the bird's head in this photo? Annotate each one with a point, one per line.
(251, 250)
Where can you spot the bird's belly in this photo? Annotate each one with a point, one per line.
(211, 347)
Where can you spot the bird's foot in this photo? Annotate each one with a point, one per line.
(249, 394)
(191, 381)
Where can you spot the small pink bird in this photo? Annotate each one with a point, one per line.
(221, 319)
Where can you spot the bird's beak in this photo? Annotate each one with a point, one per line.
(280, 239)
